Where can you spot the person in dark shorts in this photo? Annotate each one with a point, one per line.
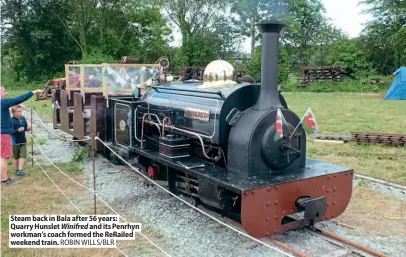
(20, 125)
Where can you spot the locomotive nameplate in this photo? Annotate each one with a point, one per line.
(197, 114)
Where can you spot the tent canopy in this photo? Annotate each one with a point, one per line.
(397, 90)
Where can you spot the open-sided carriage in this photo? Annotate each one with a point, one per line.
(79, 108)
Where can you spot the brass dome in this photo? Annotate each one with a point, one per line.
(218, 73)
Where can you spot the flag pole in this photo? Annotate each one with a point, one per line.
(286, 123)
(304, 115)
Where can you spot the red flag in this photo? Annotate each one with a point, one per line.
(279, 125)
(309, 122)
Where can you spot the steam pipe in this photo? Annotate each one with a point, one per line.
(269, 95)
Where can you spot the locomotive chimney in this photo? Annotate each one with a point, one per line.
(269, 96)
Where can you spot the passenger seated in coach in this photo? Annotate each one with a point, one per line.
(247, 80)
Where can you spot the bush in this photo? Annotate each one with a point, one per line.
(96, 57)
(349, 85)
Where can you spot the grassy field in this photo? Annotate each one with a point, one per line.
(344, 113)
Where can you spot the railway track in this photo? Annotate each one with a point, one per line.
(382, 182)
(380, 138)
(366, 137)
(347, 247)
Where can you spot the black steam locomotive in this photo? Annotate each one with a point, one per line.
(215, 144)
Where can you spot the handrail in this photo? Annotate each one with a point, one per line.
(157, 88)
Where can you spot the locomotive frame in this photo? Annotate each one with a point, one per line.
(215, 147)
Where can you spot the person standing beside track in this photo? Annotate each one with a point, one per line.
(6, 145)
(20, 126)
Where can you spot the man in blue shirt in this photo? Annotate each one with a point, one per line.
(6, 130)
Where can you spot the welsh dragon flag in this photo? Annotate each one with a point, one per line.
(280, 121)
(309, 122)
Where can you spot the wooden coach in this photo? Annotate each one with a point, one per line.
(80, 108)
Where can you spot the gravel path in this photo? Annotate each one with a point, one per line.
(177, 228)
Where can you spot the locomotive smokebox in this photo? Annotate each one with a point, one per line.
(254, 148)
(269, 96)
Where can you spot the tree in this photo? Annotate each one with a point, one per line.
(40, 36)
(327, 35)
(203, 26)
(347, 52)
(305, 19)
(254, 66)
(383, 38)
(109, 25)
(250, 12)
(33, 42)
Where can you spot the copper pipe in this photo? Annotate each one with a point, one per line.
(196, 135)
(163, 125)
(142, 125)
(151, 114)
(159, 129)
(178, 129)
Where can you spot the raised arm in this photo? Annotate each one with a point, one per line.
(8, 102)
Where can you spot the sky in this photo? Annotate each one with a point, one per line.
(344, 14)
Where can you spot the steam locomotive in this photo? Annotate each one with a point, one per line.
(213, 141)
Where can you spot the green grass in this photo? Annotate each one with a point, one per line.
(344, 112)
(43, 106)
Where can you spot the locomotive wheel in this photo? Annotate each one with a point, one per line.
(114, 159)
(194, 201)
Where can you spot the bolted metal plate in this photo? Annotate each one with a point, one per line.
(263, 208)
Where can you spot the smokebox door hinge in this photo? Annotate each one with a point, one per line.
(233, 117)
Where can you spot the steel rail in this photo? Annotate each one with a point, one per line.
(382, 182)
(345, 243)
